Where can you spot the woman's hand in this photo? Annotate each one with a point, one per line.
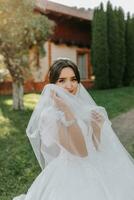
(97, 121)
(59, 102)
(97, 118)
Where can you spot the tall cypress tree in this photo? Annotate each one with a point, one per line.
(114, 47)
(121, 41)
(99, 55)
(129, 68)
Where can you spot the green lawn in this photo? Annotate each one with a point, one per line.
(116, 101)
(18, 166)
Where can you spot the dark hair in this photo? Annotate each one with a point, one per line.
(58, 65)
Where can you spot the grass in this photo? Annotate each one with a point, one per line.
(116, 101)
(18, 165)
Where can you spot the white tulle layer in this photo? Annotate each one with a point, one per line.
(77, 179)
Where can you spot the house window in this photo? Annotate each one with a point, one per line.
(82, 62)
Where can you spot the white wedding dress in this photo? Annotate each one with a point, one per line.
(105, 173)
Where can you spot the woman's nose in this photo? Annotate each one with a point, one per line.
(68, 85)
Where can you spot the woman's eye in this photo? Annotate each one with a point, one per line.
(61, 81)
(74, 79)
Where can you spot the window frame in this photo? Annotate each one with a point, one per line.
(88, 65)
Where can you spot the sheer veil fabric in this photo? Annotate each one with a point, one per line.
(105, 171)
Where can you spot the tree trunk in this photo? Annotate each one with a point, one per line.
(18, 92)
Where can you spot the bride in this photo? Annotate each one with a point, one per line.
(80, 155)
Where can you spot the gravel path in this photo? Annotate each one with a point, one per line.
(124, 128)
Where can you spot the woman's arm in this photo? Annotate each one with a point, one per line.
(74, 140)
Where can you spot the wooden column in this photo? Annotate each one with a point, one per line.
(89, 65)
(49, 54)
(49, 57)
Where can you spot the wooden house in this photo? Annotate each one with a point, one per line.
(71, 39)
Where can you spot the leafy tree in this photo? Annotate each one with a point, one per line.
(20, 29)
(99, 49)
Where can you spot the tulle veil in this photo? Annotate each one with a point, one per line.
(110, 155)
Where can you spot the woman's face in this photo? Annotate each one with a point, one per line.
(67, 80)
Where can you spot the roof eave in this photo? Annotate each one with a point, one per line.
(52, 7)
